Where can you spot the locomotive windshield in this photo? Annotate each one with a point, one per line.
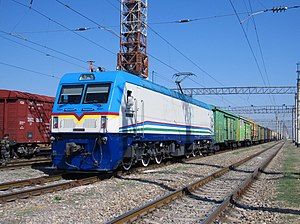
(71, 94)
(97, 93)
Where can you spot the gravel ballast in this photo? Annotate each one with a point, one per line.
(109, 198)
(263, 202)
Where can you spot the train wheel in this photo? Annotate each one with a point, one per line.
(158, 158)
(193, 153)
(146, 159)
(127, 163)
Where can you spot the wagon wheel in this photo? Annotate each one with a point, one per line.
(145, 159)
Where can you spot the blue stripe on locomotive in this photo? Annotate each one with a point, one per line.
(107, 157)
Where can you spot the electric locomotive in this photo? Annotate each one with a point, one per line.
(102, 120)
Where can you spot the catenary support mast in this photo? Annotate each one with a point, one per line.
(133, 37)
(298, 105)
(295, 120)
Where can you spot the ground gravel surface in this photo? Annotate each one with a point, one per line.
(109, 198)
(260, 204)
(20, 174)
(194, 207)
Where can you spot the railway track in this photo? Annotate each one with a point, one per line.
(39, 186)
(42, 185)
(208, 196)
(25, 163)
(29, 182)
(136, 169)
(241, 188)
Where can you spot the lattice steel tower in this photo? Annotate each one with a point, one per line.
(133, 37)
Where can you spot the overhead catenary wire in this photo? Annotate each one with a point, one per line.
(260, 50)
(20, 20)
(274, 10)
(83, 28)
(41, 45)
(58, 23)
(223, 99)
(71, 30)
(188, 58)
(29, 70)
(188, 20)
(271, 97)
(185, 56)
(180, 52)
(248, 42)
(109, 30)
(42, 52)
(116, 35)
(89, 19)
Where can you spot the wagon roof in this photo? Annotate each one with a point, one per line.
(12, 94)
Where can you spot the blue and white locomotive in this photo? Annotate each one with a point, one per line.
(103, 120)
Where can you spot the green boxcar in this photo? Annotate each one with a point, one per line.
(244, 130)
(239, 130)
(248, 131)
(225, 127)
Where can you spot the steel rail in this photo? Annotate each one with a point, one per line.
(29, 182)
(18, 161)
(12, 196)
(240, 190)
(46, 179)
(135, 213)
(21, 164)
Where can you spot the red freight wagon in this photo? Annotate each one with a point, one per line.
(25, 118)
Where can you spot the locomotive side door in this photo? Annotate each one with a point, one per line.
(135, 112)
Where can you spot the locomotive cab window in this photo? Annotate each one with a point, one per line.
(97, 93)
(71, 94)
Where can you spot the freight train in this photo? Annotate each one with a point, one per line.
(103, 120)
(24, 122)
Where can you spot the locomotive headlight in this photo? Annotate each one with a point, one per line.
(55, 122)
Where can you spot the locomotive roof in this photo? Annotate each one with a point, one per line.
(121, 77)
(12, 94)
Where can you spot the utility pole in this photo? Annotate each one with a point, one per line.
(293, 125)
(295, 121)
(282, 131)
(279, 130)
(277, 126)
(298, 104)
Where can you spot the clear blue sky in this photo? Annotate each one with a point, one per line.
(217, 45)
